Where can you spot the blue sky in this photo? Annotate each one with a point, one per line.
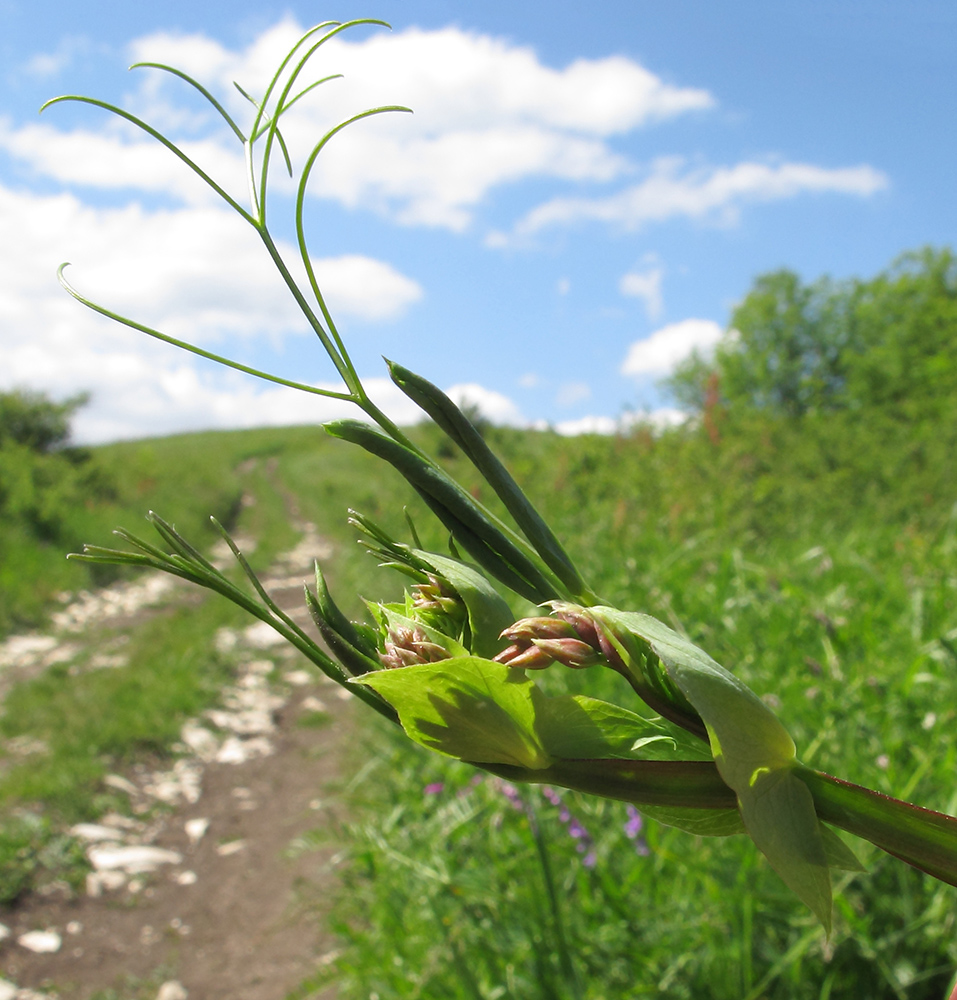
(576, 203)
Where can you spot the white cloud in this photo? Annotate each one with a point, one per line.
(492, 405)
(658, 420)
(572, 392)
(364, 287)
(195, 273)
(46, 64)
(118, 157)
(658, 353)
(587, 425)
(644, 285)
(487, 113)
(715, 193)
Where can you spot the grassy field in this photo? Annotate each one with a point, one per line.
(819, 564)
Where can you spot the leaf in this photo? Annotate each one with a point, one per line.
(577, 727)
(701, 822)
(488, 612)
(487, 713)
(466, 707)
(778, 812)
(839, 855)
(754, 753)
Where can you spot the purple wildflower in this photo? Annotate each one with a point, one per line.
(511, 793)
(633, 831)
(435, 788)
(583, 842)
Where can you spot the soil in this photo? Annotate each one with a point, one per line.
(250, 926)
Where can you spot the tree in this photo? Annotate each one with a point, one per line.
(31, 419)
(793, 348)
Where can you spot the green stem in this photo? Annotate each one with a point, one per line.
(688, 784)
(569, 973)
(923, 838)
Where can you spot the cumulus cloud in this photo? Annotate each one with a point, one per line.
(659, 353)
(708, 193)
(487, 113)
(658, 420)
(492, 405)
(572, 392)
(645, 285)
(194, 272)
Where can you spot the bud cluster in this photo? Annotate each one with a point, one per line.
(406, 647)
(439, 605)
(536, 643)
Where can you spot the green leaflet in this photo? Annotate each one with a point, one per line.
(701, 822)
(488, 613)
(466, 707)
(577, 727)
(488, 713)
(839, 855)
(754, 753)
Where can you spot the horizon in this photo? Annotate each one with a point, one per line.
(573, 207)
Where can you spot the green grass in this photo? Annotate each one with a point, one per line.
(820, 569)
(828, 589)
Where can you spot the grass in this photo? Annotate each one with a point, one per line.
(819, 569)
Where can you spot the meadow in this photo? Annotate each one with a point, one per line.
(816, 561)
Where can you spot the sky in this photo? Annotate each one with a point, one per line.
(576, 203)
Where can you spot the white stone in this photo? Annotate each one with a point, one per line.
(74, 927)
(251, 722)
(185, 878)
(313, 704)
(199, 740)
(4, 932)
(226, 639)
(231, 847)
(121, 784)
(95, 832)
(172, 990)
(7, 990)
(120, 822)
(109, 881)
(196, 829)
(298, 678)
(41, 942)
(132, 860)
(183, 782)
(237, 751)
(262, 636)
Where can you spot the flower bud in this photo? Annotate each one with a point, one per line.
(525, 657)
(571, 652)
(406, 647)
(528, 629)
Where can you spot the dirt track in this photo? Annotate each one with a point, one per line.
(240, 915)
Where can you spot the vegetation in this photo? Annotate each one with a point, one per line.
(717, 760)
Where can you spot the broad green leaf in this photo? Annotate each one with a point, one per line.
(754, 754)
(702, 822)
(839, 855)
(779, 814)
(487, 610)
(577, 727)
(488, 713)
(466, 707)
